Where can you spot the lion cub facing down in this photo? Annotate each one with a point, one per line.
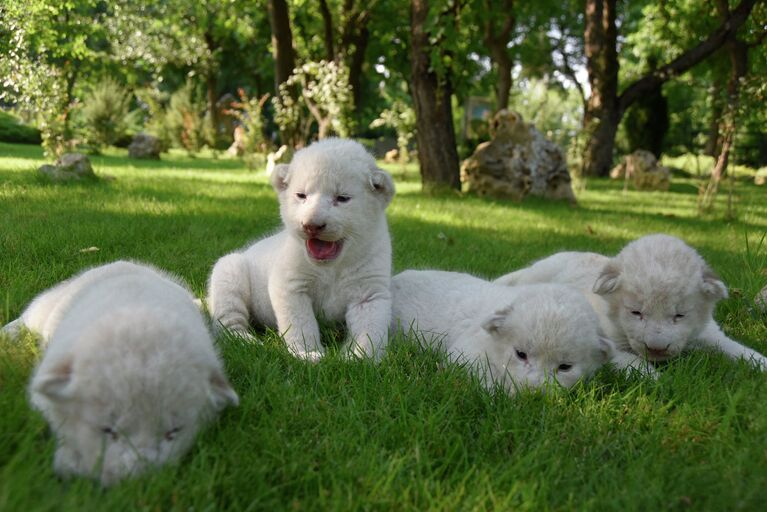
(655, 298)
(519, 336)
(129, 372)
(332, 259)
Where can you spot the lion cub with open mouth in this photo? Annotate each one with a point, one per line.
(333, 257)
(655, 298)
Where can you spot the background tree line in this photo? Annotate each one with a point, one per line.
(665, 75)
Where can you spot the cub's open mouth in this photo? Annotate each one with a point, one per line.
(322, 250)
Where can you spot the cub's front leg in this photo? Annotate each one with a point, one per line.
(712, 336)
(229, 295)
(296, 321)
(367, 320)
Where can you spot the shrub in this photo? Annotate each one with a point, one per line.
(13, 130)
(184, 119)
(104, 113)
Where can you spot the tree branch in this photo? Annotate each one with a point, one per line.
(689, 58)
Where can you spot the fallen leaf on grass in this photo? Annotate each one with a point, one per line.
(89, 249)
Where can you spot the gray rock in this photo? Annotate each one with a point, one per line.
(518, 161)
(643, 171)
(761, 299)
(145, 146)
(69, 167)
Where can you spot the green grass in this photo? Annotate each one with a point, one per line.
(411, 433)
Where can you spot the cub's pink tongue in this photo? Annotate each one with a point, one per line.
(321, 249)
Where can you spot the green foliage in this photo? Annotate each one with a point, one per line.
(184, 118)
(249, 112)
(325, 100)
(555, 111)
(401, 117)
(13, 130)
(104, 113)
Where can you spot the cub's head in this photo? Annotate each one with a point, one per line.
(332, 195)
(548, 332)
(661, 294)
(118, 412)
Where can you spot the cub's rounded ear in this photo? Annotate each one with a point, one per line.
(713, 286)
(55, 383)
(495, 322)
(221, 392)
(280, 177)
(607, 348)
(382, 184)
(608, 279)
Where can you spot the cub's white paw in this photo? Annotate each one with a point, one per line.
(245, 336)
(312, 356)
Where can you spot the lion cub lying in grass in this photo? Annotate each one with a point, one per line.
(332, 259)
(655, 298)
(518, 336)
(129, 373)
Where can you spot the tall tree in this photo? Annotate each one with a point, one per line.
(606, 107)
(738, 53)
(497, 27)
(282, 41)
(284, 56)
(432, 92)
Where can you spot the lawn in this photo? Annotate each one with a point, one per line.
(410, 433)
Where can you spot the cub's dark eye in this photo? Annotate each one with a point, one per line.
(564, 367)
(170, 435)
(521, 355)
(300, 195)
(678, 317)
(343, 199)
(637, 313)
(110, 432)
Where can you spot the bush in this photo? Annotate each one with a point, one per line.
(104, 113)
(184, 119)
(13, 130)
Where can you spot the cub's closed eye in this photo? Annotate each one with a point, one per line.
(564, 367)
(521, 355)
(678, 317)
(300, 195)
(170, 435)
(343, 199)
(110, 432)
(636, 313)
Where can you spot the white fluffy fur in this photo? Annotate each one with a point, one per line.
(655, 298)
(518, 336)
(276, 282)
(129, 372)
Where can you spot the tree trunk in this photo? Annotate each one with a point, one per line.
(496, 43)
(282, 42)
(355, 37)
(435, 135)
(327, 23)
(605, 108)
(356, 61)
(284, 57)
(713, 142)
(601, 117)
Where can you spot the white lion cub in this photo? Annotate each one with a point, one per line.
(333, 257)
(655, 298)
(129, 372)
(519, 336)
